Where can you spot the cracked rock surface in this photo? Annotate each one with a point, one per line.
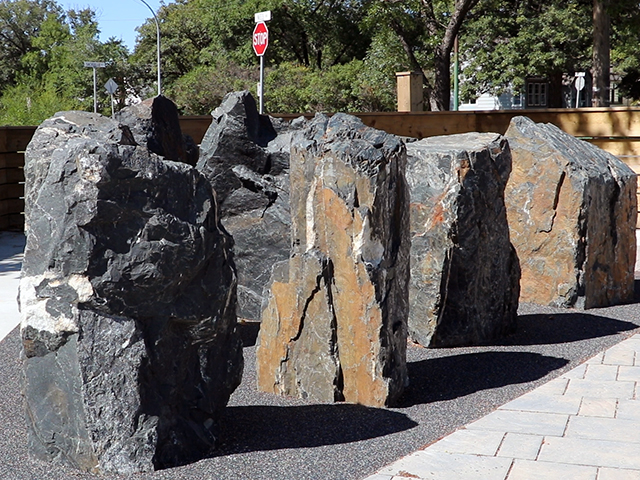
(127, 296)
(572, 214)
(464, 271)
(334, 319)
(245, 155)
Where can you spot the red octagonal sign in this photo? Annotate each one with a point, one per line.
(260, 38)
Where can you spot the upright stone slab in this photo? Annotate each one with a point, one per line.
(127, 298)
(334, 320)
(155, 124)
(245, 155)
(464, 271)
(572, 214)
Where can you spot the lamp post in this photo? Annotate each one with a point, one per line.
(157, 42)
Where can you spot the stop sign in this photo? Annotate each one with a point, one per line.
(260, 38)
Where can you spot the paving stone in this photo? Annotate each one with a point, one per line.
(472, 442)
(519, 445)
(602, 372)
(628, 374)
(432, 465)
(600, 389)
(577, 372)
(628, 410)
(581, 451)
(597, 428)
(598, 407)
(632, 343)
(543, 402)
(619, 356)
(557, 386)
(522, 422)
(596, 359)
(618, 474)
(528, 470)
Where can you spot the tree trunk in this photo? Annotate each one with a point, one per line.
(439, 98)
(601, 53)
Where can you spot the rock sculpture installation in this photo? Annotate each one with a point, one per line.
(128, 302)
(572, 214)
(245, 155)
(464, 271)
(334, 322)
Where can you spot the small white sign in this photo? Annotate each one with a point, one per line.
(95, 64)
(579, 83)
(262, 16)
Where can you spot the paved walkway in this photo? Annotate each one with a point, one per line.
(582, 425)
(11, 247)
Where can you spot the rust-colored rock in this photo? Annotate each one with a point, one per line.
(334, 323)
(572, 216)
(464, 271)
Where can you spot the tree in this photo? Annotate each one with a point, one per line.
(51, 73)
(20, 23)
(426, 30)
(601, 53)
(511, 40)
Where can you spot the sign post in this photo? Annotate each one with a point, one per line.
(111, 86)
(95, 65)
(260, 43)
(579, 86)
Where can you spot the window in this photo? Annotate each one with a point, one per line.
(537, 92)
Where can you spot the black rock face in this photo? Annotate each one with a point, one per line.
(128, 296)
(155, 124)
(245, 156)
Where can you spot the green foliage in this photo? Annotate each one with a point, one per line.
(30, 104)
(21, 21)
(50, 75)
(509, 41)
(349, 87)
(202, 89)
(198, 35)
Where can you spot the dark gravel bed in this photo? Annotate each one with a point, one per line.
(267, 437)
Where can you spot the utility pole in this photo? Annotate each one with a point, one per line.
(157, 43)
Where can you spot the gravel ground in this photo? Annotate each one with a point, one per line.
(268, 437)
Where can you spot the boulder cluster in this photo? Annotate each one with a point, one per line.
(342, 240)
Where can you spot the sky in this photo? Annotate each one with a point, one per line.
(116, 18)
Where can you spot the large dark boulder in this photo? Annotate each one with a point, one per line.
(128, 302)
(155, 124)
(245, 156)
(334, 322)
(572, 214)
(464, 271)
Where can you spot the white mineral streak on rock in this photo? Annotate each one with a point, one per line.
(369, 249)
(310, 216)
(33, 309)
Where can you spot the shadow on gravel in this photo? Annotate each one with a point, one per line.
(446, 378)
(636, 291)
(248, 332)
(259, 428)
(547, 329)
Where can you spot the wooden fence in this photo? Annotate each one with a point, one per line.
(13, 141)
(616, 130)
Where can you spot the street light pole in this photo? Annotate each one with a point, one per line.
(157, 43)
